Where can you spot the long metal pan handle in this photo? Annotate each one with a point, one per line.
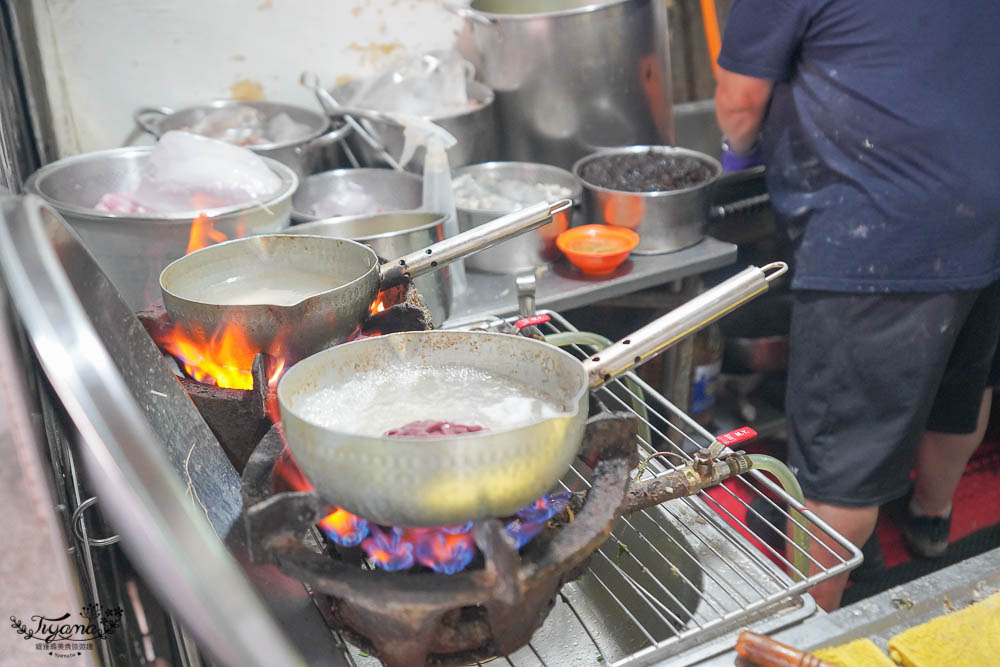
(683, 321)
(469, 242)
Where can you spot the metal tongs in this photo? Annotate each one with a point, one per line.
(335, 109)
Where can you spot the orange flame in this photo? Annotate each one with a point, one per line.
(224, 360)
(377, 307)
(203, 233)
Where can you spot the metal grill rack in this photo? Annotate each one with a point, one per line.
(679, 577)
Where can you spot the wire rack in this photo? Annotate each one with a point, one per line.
(675, 577)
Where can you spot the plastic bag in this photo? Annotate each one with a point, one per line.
(188, 172)
(348, 200)
(430, 84)
(243, 125)
(281, 128)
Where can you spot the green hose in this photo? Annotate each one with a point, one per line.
(791, 486)
(637, 398)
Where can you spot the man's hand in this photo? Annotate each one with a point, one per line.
(740, 104)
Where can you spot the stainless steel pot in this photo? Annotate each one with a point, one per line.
(394, 235)
(453, 479)
(572, 76)
(133, 249)
(475, 130)
(292, 295)
(304, 155)
(391, 190)
(530, 250)
(665, 220)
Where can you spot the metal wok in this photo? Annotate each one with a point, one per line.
(292, 295)
(453, 479)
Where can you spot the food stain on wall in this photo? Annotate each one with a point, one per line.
(377, 54)
(245, 89)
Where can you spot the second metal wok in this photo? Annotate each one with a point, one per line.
(292, 295)
(452, 479)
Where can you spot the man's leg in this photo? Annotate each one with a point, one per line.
(941, 459)
(854, 523)
(863, 373)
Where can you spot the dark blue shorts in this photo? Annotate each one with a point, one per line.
(868, 373)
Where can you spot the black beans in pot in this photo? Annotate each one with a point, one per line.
(648, 171)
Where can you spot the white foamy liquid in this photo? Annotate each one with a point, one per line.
(281, 289)
(372, 402)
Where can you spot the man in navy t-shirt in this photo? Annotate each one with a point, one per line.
(878, 122)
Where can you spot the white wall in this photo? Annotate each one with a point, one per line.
(104, 58)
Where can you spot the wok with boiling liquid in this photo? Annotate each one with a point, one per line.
(337, 404)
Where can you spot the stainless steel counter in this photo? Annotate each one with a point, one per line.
(562, 286)
(885, 615)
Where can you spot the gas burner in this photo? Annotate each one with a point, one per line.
(493, 607)
(239, 418)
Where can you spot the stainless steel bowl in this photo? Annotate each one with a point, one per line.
(391, 190)
(475, 130)
(528, 250)
(395, 235)
(305, 154)
(133, 249)
(665, 220)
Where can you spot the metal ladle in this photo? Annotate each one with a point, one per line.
(333, 108)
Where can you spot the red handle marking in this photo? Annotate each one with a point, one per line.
(532, 321)
(739, 435)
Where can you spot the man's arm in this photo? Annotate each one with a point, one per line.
(740, 104)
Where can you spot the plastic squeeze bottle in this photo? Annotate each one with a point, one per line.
(437, 193)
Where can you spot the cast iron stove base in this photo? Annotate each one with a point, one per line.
(422, 617)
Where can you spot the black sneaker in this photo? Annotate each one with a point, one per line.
(925, 536)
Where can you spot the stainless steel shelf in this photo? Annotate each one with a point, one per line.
(561, 286)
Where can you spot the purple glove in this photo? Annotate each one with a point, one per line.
(734, 161)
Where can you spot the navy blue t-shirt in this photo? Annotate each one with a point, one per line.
(882, 138)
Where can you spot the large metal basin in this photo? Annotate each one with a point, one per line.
(133, 250)
(475, 130)
(391, 190)
(528, 250)
(395, 235)
(305, 155)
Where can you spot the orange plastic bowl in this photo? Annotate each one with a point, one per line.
(597, 249)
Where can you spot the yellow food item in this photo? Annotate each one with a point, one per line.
(966, 638)
(858, 653)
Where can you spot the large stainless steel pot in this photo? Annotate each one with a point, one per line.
(665, 220)
(572, 76)
(453, 479)
(394, 235)
(292, 295)
(133, 249)
(304, 154)
(391, 190)
(530, 250)
(475, 130)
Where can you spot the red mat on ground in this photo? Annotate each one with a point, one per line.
(976, 504)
